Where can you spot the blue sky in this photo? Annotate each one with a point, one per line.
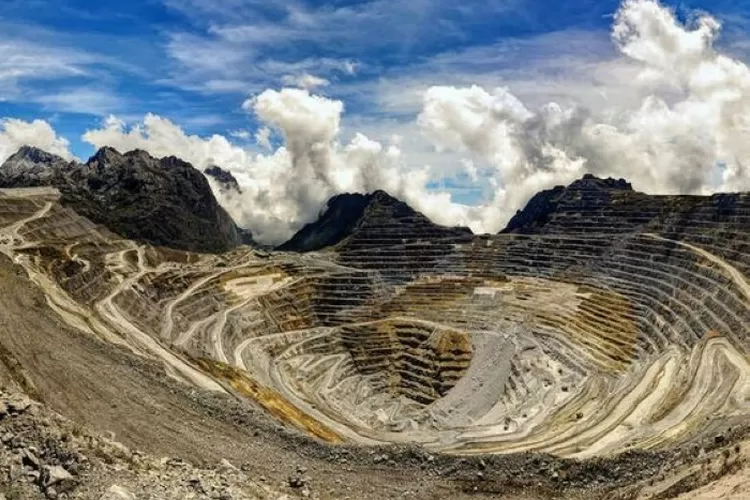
(195, 62)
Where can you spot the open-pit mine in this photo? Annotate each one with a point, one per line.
(602, 321)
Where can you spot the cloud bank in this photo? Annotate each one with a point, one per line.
(17, 133)
(686, 131)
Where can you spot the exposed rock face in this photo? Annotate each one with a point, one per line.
(584, 193)
(228, 188)
(347, 214)
(160, 201)
(612, 206)
(225, 179)
(32, 167)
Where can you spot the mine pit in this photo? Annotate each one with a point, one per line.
(572, 345)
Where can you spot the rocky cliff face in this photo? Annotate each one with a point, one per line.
(228, 190)
(585, 192)
(160, 201)
(596, 205)
(362, 213)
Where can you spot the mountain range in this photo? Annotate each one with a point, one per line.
(168, 202)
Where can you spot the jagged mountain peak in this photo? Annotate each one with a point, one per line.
(105, 154)
(348, 214)
(164, 201)
(33, 154)
(31, 166)
(138, 153)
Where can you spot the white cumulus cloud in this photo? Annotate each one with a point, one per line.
(263, 138)
(15, 134)
(242, 135)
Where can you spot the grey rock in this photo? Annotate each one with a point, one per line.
(57, 476)
(227, 466)
(297, 481)
(17, 404)
(226, 181)
(163, 201)
(29, 459)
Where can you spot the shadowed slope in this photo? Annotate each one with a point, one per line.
(347, 214)
(611, 206)
(163, 202)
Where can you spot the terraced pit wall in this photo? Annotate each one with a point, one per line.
(620, 323)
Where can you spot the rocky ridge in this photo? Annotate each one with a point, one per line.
(613, 206)
(348, 214)
(159, 201)
(543, 205)
(224, 178)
